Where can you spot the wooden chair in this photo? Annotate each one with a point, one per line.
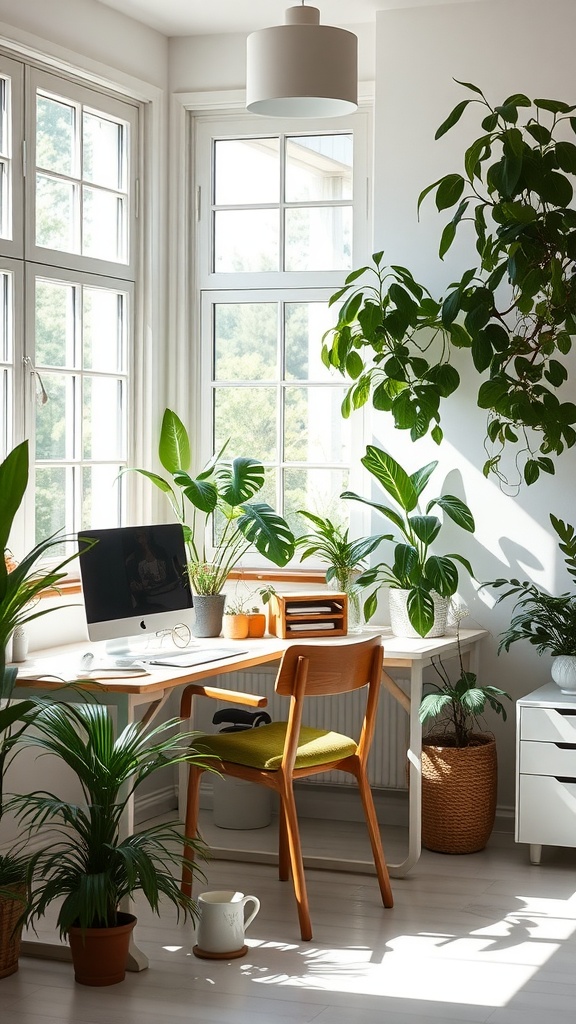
(275, 755)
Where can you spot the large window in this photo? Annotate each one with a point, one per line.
(67, 274)
(282, 221)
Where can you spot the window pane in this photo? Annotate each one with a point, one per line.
(314, 429)
(55, 305)
(103, 233)
(315, 489)
(56, 223)
(246, 241)
(55, 418)
(245, 340)
(4, 116)
(4, 200)
(246, 171)
(102, 406)
(104, 330)
(248, 417)
(305, 325)
(318, 168)
(319, 238)
(55, 148)
(102, 497)
(102, 154)
(54, 499)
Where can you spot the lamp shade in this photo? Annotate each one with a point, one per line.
(302, 68)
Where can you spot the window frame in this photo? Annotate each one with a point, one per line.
(291, 286)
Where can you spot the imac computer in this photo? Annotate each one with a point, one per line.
(135, 585)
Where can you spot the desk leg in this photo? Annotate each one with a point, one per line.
(415, 769)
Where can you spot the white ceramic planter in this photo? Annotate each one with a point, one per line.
(563, 672)
(400, 623)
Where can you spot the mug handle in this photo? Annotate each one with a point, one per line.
(256, 902)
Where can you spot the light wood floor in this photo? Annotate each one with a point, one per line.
(483, 937)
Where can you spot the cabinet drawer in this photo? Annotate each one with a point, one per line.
(547, 724)
(546, 811)
(547, 759)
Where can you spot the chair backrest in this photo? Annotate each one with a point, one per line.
(331, 669)
(309, 670)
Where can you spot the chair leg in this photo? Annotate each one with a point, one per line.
(296, 862)
(283, 845)
(191, 825)
(375, 840)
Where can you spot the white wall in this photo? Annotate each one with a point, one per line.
(503, 46)
(203, 63)
(80, 29)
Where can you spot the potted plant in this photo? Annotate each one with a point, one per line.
(223, 514)
(459, 761)
(235, 623)
(421, 583)
(546, 621)
(515, 311)
(330, 543)
(86, 863)
(21, 584)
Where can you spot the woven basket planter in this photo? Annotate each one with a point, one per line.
(459, 788)
(10, 911)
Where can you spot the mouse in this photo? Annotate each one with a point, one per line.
(128, 663)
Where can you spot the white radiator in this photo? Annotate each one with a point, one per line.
(387, 764)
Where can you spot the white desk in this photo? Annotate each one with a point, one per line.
(153, 690)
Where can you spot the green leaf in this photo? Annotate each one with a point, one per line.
(239, 480)
(554, 106)
(491, 393)
(442, 575)
(456, 510)
(202, 494)
(447, 237)
(471, 86)
(531, 471)
(354, 365)
(566, 156)
(437, 434)
(174, 445)
(393, 478)
(539, 132)
(556, 189)
(426, 528)
(459, 336)
(452, 119)
(268, 531)
(449, 191)
(13, 483)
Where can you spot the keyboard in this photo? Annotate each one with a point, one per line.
(197, 656)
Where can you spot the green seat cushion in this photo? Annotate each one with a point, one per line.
(263, 747)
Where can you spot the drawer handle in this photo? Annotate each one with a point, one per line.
(565, 779)
(565, 712)
(565, 746)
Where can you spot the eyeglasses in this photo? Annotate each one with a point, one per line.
(180, 635)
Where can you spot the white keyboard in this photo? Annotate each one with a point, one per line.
(196, 656)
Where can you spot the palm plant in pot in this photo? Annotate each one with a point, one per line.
(21, 584)
(330, 543)
(222, 514)
(459, 761)
(86, 863)
(421, 583)
(546, 621)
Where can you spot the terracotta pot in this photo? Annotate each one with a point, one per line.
(459, 789)
(256, 624)
(10, 910)
(235, 627)
(99, 955)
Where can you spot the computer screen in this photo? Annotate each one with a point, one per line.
(135, 584)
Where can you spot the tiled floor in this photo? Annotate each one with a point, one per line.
(483, 937)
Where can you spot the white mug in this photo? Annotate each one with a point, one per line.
(222, 924)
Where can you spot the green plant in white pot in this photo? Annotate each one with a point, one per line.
(217, 511)
(546, 621)
(422, 576)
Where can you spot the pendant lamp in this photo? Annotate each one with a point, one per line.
(302, 68)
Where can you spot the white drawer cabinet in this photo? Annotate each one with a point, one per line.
(546, 770)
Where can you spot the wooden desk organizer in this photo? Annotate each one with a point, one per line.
(296, 616)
